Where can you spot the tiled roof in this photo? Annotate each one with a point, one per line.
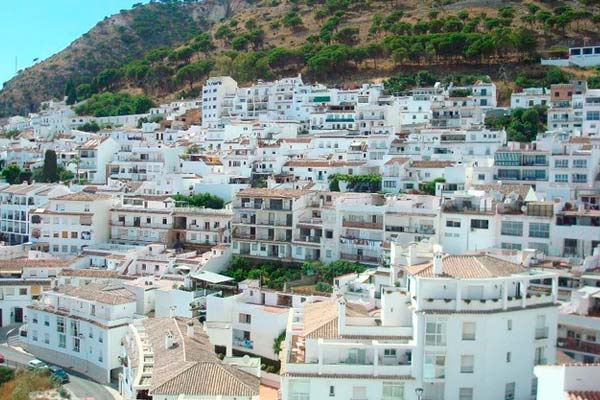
(431, 164)
(191, 366)
(209, 379)
(397, 160)
(584, 395)
(505, 189)
(322, 163)
(99, 292)
(321, 320)
(89, 273)
(33, 263)
(469, 267)
(83, 196)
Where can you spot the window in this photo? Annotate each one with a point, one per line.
(580, 163)
(509, 391)
(468, 331)
(389, 352)
(73, 235)
(34, 336)
(359, 392)
(46, 338)
(245, 318)
(512, 228)
(328, 234)
(465, 394)
(561, 163)
(467, 364)
(579, 178)
(534, 384)
(434, 365)
(76, 345)
(60, 324)
(393, 391)
(508, 356)
(62, 341)
(22, 291)
(331, 391)
(510, 246)
(509, 325)
(453, 223)
(100, 338)
(46, 320)
(561, 178)
(435, 333)
(539, 230)
(479, 224)
(299, 390)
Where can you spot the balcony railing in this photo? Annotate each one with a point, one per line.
(359, 258)
(579, 345)
(244, 343)
(361, 224)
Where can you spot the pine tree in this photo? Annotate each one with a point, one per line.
(50, 169)
(70, 92)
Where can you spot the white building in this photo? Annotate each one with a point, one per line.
(81, 328)
(431, 330)
(568, 381)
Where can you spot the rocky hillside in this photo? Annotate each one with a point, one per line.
(114, 41)
(167, 49)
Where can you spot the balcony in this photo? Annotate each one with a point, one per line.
(362, 224)
(243, 343)
(245, 236)
(359, 258)
(308, 239)
(579, 345)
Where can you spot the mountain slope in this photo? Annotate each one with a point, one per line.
(114, 41)
(338, 41)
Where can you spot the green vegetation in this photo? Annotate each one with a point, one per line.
(91, 126)
(356, 183)
(275, 276)
(50, 168)
(278, 341)
(13, 133)
(522, 124)
(6, 374)
(111, 104)
(533, 78)
(27, 382)
(429, 187)
(205, 200)
(13, 175)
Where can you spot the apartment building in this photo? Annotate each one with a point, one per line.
(578, 326)
(213, 96)
(16, 202)
(170, 358)
(82, 327)
(142, 220)
(263, 221)
(68, 223)
(401, 348)
(249, 321)
(530, 97)
(94, 156)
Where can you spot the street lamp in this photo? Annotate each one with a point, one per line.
(419, 393)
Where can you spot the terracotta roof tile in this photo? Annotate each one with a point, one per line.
(469, 267)
(584, 395)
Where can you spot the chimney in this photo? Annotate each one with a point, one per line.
(190, 328)
(437, 263)
(169, 340)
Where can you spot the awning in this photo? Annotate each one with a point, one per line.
(210, 277)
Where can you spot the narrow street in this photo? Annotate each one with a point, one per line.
(79, 385)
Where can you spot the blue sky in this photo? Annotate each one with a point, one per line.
(39, 28)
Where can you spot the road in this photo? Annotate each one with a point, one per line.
(81, 386)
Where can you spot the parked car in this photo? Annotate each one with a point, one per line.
(59, 374)
(36, 364)
(2, 359)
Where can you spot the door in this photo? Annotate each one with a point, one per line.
(0, 317)
(18, 314)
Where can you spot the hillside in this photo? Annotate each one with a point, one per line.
(114, 41)
(168, 50)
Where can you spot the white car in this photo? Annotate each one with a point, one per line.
(36, 364)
